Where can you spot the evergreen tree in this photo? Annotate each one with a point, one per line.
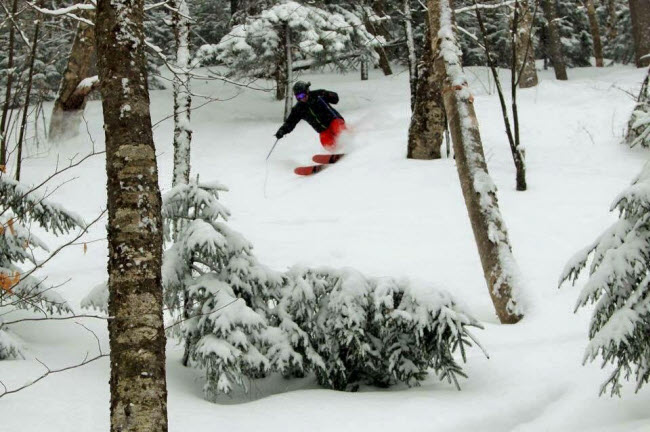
(317, 36)
(20, 289)
(246, 321)
(638, 131)
(619, 286)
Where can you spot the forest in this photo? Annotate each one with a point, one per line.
(456, 237)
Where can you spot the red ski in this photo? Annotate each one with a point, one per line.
(308, 170)
(323, 159)
(327, 158)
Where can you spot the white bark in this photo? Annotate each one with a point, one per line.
(412, 60)
(182, 95)
(499, 266)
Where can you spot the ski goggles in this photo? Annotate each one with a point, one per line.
(301, 96)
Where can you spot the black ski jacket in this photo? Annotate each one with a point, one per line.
(316, 111)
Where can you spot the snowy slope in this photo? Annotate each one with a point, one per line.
(384, 215)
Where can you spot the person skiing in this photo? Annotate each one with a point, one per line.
(314, 107)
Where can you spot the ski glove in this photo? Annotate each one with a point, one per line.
(279, 134)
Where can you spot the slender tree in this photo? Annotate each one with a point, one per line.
(28, 92)
(640, 13)
(595, 32)
(428, 121)
(182, 95)
(499, 267)
(8, 87)
(136, 332)
(554, 42)
(410, 44)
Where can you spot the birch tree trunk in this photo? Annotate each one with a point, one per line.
(8, 88)
(595, 33)
(410, 45)
(137, 338)
(69, 105)
(554, 40)
(428, 121)
(640, 13)
(525, 52)
(480, 193)
(182, 94)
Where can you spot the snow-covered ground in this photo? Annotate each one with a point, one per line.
(386, 216)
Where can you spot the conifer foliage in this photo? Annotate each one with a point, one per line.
(638, 132)
(619, 285)
(257, 48)
(19, 289)
(246, 321)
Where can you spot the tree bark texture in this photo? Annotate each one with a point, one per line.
(428, 121)
(595, 33)
(525, 51)
(364, 68)
(377, 29)
(137, 338)
(8, 88)
(479, 191)
(410, 45)
(640, 14)
(182, 94)
(281, 72)
(554, 40)
(69, 106)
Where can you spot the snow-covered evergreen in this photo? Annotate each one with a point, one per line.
(255, 48)
(19, 288)
(638, 131)
(619, 285)
(241, 320)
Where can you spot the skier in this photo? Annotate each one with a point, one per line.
(314, 107)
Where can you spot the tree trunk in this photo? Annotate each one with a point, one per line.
(479, 191)
(281, 72)
(554, 40)
(525, 52)
(376, 29)
(28, 91)
(410, 45)
(136, 332)
(288, 97)
(69, 106)
(595, 33)
(182, 96)
(428, 121)
(8, 89)
(612, 31)
(364, 68)
(640, 14)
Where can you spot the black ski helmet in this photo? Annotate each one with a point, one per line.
(301, 87)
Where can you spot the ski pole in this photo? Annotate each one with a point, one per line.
(276, 143)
